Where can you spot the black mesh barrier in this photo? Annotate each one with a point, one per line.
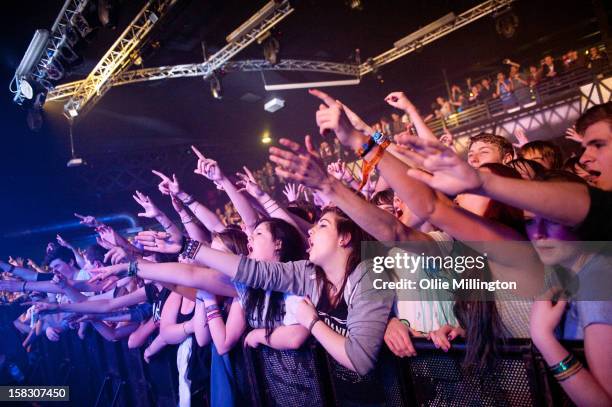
(290, 378)
(102, 373)
(439, 379)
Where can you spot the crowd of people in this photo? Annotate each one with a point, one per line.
(281, 273)
(513, 86)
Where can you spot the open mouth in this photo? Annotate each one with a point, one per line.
(309, 245)
(250, 248)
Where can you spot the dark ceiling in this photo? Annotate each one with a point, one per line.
(179, 111)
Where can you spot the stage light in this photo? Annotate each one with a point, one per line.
(75, 162)
(274, 104)
(26, 89)
(215, 87)
(271, 48)
(355, 4)
(71, 110)
(265, 138)
(449, 18)
(506, 23)
(33, 53)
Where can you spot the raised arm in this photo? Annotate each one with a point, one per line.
(192, 228)
(400, 101)
(562, 202)
(172, 187)
(151, 211)
(210, 169)
(269, 204)
(307, 168)
(77, 254)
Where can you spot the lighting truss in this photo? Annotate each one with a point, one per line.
(58, 37)
(198, 70)
(220, 60)
(462, 19)
(118, 57)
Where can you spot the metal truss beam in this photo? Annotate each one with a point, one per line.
(198, 70)
(463, 19)
(58, 38)
(117, 58)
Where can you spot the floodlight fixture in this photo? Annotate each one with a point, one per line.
(429, 28)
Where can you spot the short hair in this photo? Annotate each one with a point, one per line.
(547, 149)
(384, 197)
(60, 252)
(594, 115)
(503, 145)
(95, 252)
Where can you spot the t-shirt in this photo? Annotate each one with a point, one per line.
(598, 223)
(590, 293)
(433, 309)
(290, 302)
(351, 388)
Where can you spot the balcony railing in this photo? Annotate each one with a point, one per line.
(564, 86)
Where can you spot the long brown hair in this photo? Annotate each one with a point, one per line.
(476, 310)
(344, 225)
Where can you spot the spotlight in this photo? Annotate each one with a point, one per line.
(26, 89)
(354, 4)
(215, 86)
(271, 47)
(71, 110)
(506, 23)
(75, 162)
(265, 138)
(274, 104)
(107, 13)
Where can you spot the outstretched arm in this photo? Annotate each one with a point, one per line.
(562, 202)
(210, 169)
(400, 100)
(181, 274)
(304, 166)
